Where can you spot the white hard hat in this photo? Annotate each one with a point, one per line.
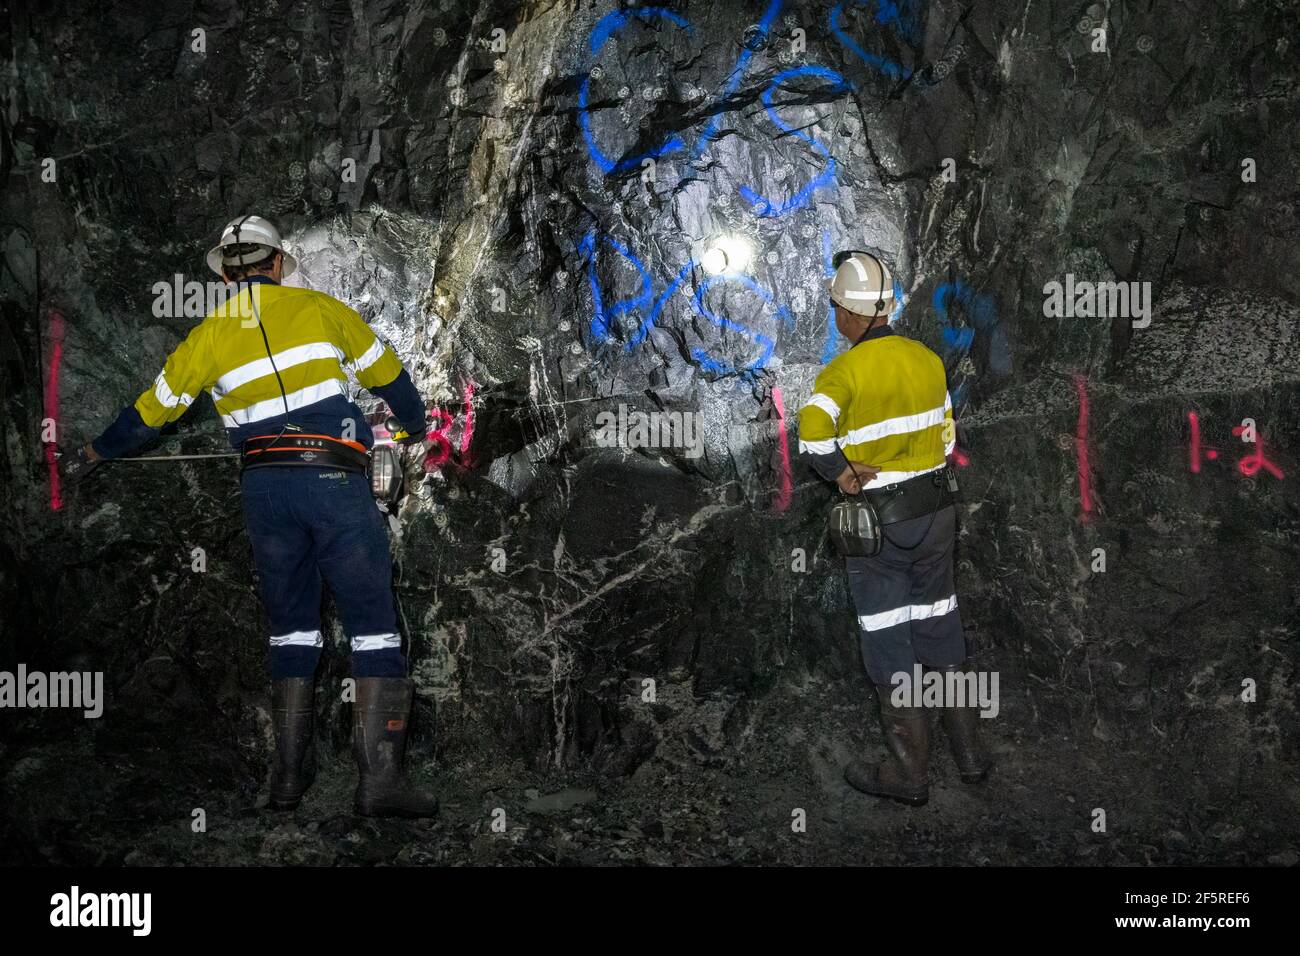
(862, 284)
(242, 231)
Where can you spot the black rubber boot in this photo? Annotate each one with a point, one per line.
(903, 776)
(961, 724)
(382, 712)
(292, 714)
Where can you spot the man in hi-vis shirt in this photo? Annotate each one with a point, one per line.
(273, 358)
(880, 422)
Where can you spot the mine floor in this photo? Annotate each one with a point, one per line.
(739, 807)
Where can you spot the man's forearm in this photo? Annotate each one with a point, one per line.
(127, 433)
(828, 465)
(404, 402)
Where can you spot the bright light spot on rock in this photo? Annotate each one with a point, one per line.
(714, 261)
(727, 254)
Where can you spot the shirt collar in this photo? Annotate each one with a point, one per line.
(876, 333)
(251, 279)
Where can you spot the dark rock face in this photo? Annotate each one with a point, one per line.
(526, 200)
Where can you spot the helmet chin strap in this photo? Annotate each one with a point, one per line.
(265, 341)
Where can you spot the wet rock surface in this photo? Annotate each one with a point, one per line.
(619, 656)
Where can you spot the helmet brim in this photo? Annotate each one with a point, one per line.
(214, 261)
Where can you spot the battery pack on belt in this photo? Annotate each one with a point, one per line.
(922, 495)
(313, 451)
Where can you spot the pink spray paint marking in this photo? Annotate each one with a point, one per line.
(1081, 449)
(1252, 463)
(784, 496)
(467, 431)
(440, 434)
(1249, 466)
(52, 407)
(440, 454)
(960, 458)
(1194, 446)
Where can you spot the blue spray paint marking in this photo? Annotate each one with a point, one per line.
(904, 15)
(600, 320)
(981, 314)
(659, 304)
(733, 81)
(602, 316)
(711, 364)
(900, 299)
(888, 67)
(980, 310)
(610, 24)
(763, 206)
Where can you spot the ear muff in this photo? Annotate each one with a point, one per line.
(839, 259)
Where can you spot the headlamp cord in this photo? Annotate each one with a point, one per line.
(863, 491)
(252, 298)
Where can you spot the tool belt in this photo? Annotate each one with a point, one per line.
(915, 497)
(314, 451)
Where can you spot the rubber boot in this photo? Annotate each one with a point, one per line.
(292, 714)
(903, 774)
(381, 716)
(961, 724)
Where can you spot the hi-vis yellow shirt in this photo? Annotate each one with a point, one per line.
(312, 336)
(886, 403)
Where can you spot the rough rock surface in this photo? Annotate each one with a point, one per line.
(531, 189)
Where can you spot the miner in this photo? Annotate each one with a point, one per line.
(273, 357)
(879, 424)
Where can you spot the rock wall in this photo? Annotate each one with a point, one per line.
(527, 200)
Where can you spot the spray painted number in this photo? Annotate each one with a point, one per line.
(439, 434)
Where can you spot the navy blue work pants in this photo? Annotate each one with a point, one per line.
(906, 600)
(311, 526)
